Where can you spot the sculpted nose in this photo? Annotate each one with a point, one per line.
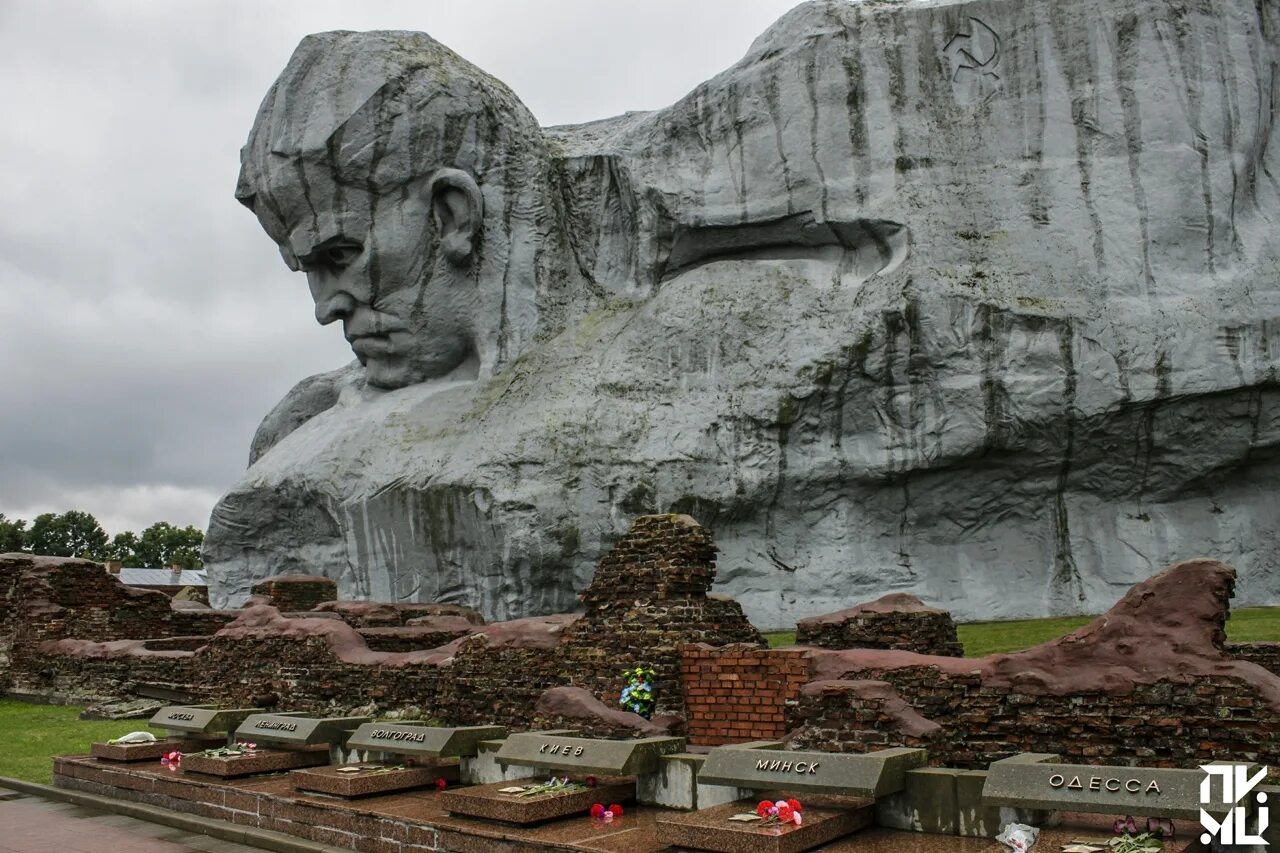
(337, 306)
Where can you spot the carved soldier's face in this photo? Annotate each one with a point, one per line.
(393, 268)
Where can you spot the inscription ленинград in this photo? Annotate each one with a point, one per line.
(274, 724)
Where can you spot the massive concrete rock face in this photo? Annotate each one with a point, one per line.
(976, 301)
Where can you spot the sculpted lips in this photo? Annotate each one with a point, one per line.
(372, 346)
(370, 333)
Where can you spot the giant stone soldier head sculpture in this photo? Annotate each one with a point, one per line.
(410, 187)
(972, 300)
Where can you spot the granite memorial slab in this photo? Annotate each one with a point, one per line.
(500, 801)
(255, 761)
(201, 719)
(871, 774)
(423, 740)
(296, 729)
(577, 755)
(1151, 792)
(712, 828)
(367, 778)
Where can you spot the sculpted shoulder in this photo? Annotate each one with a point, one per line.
(308, 398)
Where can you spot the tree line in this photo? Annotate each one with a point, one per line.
(78, 534)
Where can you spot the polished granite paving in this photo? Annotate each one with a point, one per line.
(34, 825)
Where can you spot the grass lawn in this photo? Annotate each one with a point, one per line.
(33, 734)
(984, 638)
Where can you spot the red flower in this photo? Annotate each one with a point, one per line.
(785, 813)
(795, 805)
(597, 810)
(765, 808)
(616, 809)
(591, 781)
(441, 784)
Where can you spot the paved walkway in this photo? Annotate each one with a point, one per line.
(32, 825)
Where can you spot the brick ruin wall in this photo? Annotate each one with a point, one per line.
(1208, 705)
(736, 694)
(48, 599)
(1165, 724)
(900, 622)
(1151, 682)
(295, 592)
(1265, 655)
(648, 598)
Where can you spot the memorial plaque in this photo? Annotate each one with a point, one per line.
(587, 755)
(871, 774)
(369, 779)
(1152, 792)
(495, 801)
(296, 729)
(432, 741)
(258, 761)
(712, 829)
(201, 719)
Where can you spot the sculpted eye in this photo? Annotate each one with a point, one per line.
(334, 255)
(340, 254)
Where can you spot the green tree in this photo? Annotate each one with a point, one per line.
(124, 547)
(72, 534)
(13, 534)
(163, 544)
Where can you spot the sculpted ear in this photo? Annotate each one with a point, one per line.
(458, 209)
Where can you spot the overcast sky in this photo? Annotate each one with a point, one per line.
(146, 322)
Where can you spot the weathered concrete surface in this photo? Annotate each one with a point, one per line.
(976, 301)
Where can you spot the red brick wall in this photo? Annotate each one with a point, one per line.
(739, 693)
(1167, 724)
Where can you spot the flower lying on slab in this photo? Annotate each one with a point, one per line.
(134, 737)
(769, 813)
(171, 759)
(599, 812)
(1158, 828)
(1143, 843)
(242, 748)
(554, 785)
(441, 784)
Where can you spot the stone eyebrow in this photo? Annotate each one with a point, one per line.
(306, 244)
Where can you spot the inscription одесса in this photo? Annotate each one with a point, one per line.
(1098, 783)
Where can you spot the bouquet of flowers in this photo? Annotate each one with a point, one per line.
(769, 812)
(637, 695)
(600, 813)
